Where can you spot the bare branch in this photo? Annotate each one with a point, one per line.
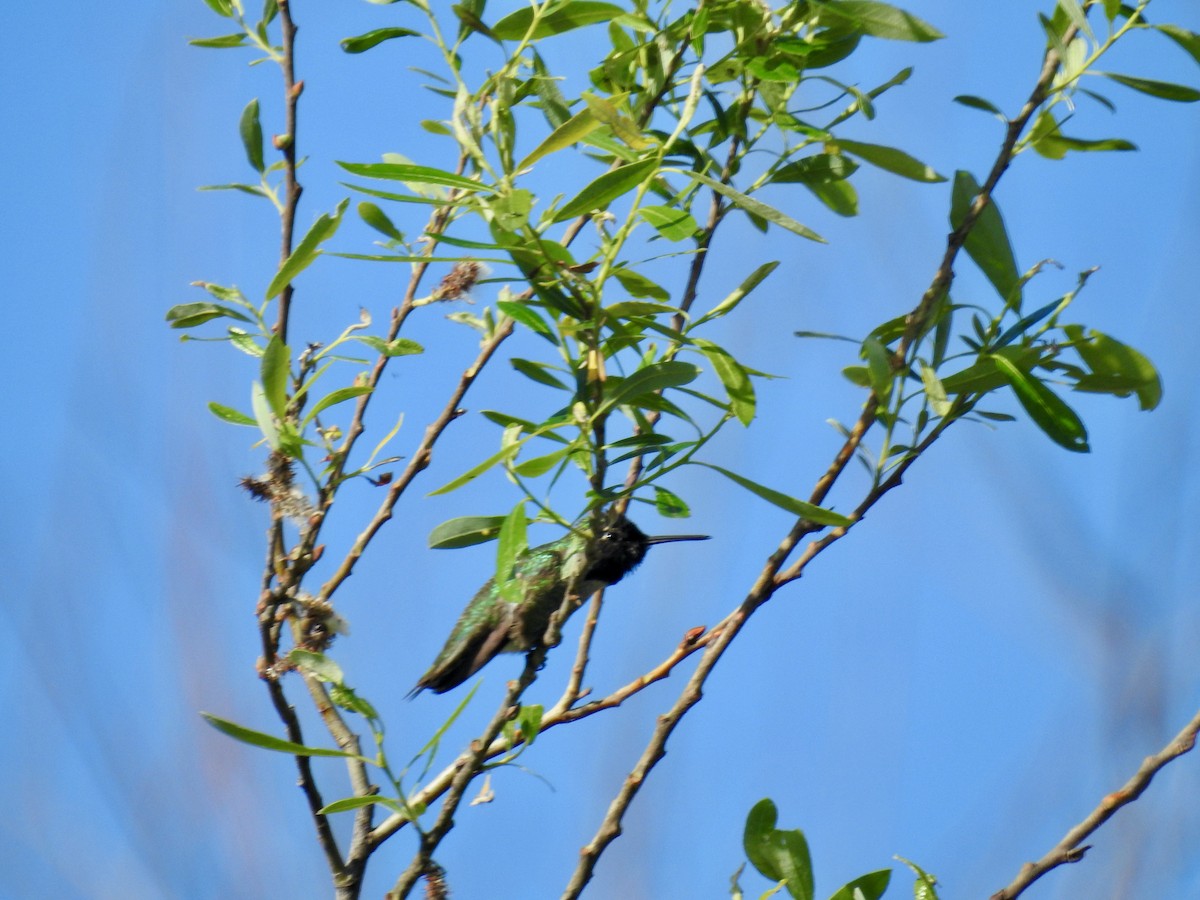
(1068, 850)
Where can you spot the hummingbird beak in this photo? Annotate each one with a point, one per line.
(667, 538)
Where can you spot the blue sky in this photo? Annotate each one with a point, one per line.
(958, 682)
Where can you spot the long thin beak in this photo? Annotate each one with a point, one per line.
(667, 538)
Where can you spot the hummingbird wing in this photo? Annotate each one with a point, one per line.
(466, 659)
(480, 633)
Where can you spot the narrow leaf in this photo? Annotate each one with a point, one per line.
(219, 43)
(654, 377)
(276, 362)
(570, 132)
(881, 20)
(755, 207)
(306, 251)
(1164, 90)
(465, 531)
(270, 742)
(341, 395)
(801, 508)
(669, 504)
(607, 188)
(252, 137)
(348, 804)
(231, 415)
(263, 417)
(987, 244)
(378, 36)
(891, 160)
(475, 471)
(378, 219)
(1047, 409)
(734, 377)
(673, 224)
(414, 174)
(753, 280)
(576, 14)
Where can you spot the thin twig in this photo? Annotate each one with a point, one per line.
(420, 460)
(1068, 850)
(292, 188)
(467, 767)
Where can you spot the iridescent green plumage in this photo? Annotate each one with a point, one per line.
(492, 623)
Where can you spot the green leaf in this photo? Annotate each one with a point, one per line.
(529, 721)
(223, 8)
(839, 196)
(231, 415)
(318, 665)
(378, 36)
(276, 362)
(935, 391)
(1047, 409)
(979, 103)
(537, 372)
(801, 508)
(755, 207)
(540, 465)
(626, 308)
(753, 280)
(189, 315)
(1164, 90)
(505, 453)
(865, 887)
(1188, 40)
(673, 224)
(1118, 368)
(779, 855)
(394, 347)
(987, 244)
(270, 742)
(527, 316)
(891, 160)
(638, 285)
(306, 251)
(654, 377)
(465, 531)
(734, 377)
(923, 889)
(607, 188)
(245, 342)
(414, 174)
(512, 542)
(341, 395)
(221, 42)
(819, 169)
(570, 132)
(669, 504)
(263, 417)
(347, 804)
(879, 368)
(575, 14)
(378, 219)
(880, 20)
(252, 137)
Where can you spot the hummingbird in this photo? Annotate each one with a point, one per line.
(492, 624)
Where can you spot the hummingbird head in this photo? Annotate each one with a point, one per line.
(621, 545)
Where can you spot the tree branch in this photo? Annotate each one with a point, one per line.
(769, 580)
(1068, 850)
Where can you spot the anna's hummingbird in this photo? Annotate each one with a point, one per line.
(491, 624)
